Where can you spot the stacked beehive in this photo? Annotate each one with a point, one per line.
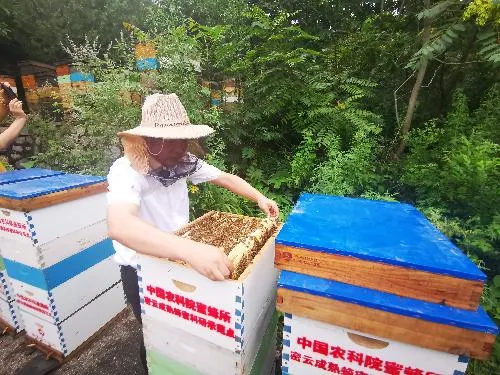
(63, 72)
(193, 325)
(30, 92)
(39, 82)
(58, 257)
(372, 287)
(145, 55)
(80, 80)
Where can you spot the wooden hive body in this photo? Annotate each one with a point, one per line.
(406, 320)
(386, 246)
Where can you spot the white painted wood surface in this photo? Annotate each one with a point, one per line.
(240, 301)
(68, 335)
(46, 254)
(65, 299)
(306, 341)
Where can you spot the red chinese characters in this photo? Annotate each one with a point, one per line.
(338, 357)
(14, 227)
(190, 317)
(181, 301)
(33, 304)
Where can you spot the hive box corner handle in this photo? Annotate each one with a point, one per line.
(367, 342)
(185, 287)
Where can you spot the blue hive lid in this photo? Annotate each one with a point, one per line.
(472, 320)
(21, 188)
(386, 232)
(26, 174)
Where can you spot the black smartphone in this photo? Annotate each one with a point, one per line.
(9, 93)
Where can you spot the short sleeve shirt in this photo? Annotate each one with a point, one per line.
(167, 208)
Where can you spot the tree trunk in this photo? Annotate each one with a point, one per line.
(382, 3)
(416, 88)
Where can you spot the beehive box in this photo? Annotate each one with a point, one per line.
(316, 348)
(171, 350)
(386, 246)
(55, 292)
(63, 338)
(223, 313)
(424, 326)
(59, 269)
(150, 63)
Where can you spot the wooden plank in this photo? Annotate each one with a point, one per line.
(43, 201)
(392, 326)
(45, 349)
(405, 282)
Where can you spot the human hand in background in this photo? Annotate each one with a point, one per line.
(16, 108)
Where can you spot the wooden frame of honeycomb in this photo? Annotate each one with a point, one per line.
(240, 237)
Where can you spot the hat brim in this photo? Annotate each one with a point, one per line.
(171, 132)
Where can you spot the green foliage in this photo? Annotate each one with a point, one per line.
(462, 171)
(452, 19)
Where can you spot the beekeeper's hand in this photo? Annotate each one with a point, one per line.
(269, 207)
(210, 261)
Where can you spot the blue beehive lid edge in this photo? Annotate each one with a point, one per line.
(34, 188)
(14, 176)
(466, 269)
(472, 320)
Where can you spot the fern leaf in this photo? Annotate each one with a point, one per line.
(436, 10)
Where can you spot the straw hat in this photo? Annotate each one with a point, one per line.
(163, 116)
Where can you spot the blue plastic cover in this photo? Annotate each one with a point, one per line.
(472, 320)
(386, 232)
(26, 174)
(46, 185)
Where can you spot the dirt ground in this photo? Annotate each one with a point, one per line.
(115, 351)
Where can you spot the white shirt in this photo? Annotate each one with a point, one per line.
(167, 208)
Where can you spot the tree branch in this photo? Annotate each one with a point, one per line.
(433, 76)
(396, 98)
(416, 87)
(458, 63)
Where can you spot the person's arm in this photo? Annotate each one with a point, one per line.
(128, 229)
(13, 131)
(239, 186)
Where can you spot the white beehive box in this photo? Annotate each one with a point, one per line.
(64, 337)
(44, 255)
(58, 256)
(315, 348)
(173, 351)
(219, 312)
(55, 292)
